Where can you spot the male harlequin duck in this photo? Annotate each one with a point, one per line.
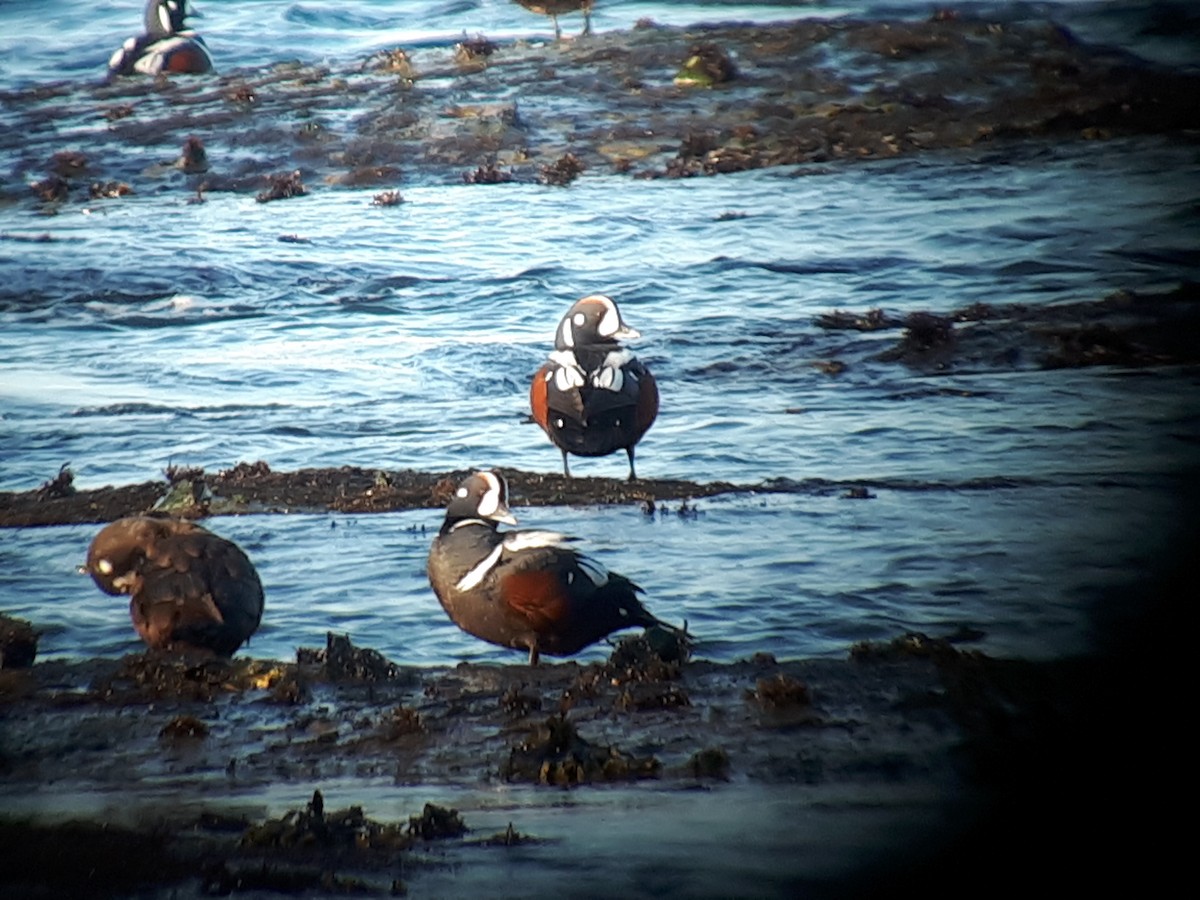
(524, 589)
(189, 588)
(556, 8)
(165, 47)
(593, 396)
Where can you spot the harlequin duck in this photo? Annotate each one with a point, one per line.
(593, 396)
(165, 47)
(524, 589)
(555, 8)
(189, 588)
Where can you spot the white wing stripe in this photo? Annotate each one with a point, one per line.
(596, 572)
(477, 574)
(516, 541)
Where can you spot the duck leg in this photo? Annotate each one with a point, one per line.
(566, 468)
(632, 474)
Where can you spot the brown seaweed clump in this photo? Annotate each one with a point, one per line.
(109, 190)
(52, 189)
(473, 52)
(186, 676)
(342, 661)
(706, 65)
(61, 485)
(488, 173)
(557, 754)
(562, 171)
(313, 827)
(928, 340)
(387, 198)
(282, 186)
(780, 691)
(913, 645)
(395, 61)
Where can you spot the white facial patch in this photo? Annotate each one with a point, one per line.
(566, 334)
(461, 492)
(489, 503)
(164, 16)
(477, 574)
(611, 321)
(596, 572)
(105, 567)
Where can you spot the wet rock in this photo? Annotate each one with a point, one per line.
(184, 727)
(436, 822)
(711, 762)
(911, 645)
(706, 65)
(18, 643)
(641, 697)
(222, 879)
(781, 691)
(123, 860)
(68, 164)
(312, 827)
(510, 837)
(401, 722)
(518, 700)
(194, 158)
(143, 677)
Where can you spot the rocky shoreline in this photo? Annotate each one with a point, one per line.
(949, 742)
(628, 102)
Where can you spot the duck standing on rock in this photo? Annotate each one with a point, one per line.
(556, 8)
(189, 588)
(164, 47)
(525, 589)
(593, 397)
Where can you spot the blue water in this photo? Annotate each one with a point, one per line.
(149, 332)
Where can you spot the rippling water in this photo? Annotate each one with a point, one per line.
(323, 331)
